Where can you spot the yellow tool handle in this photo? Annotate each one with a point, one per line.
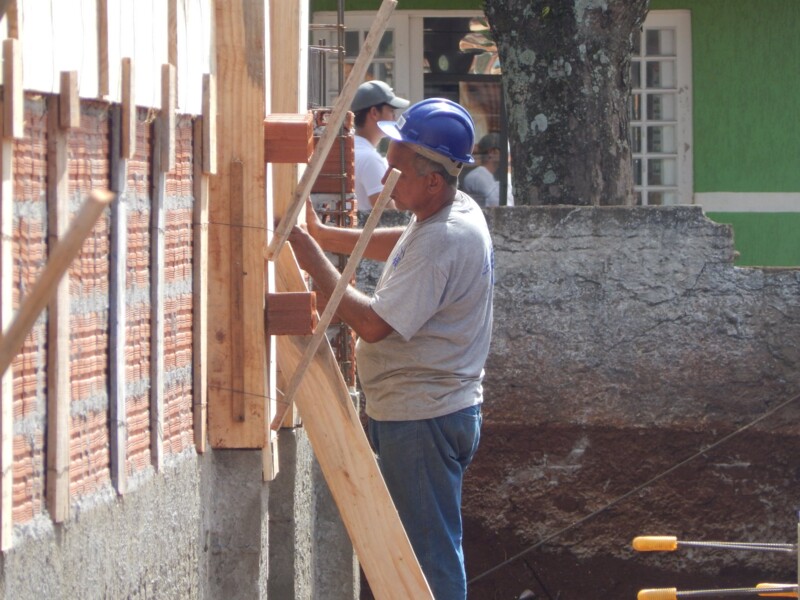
(655, 543)
(658, 594)
(779, 585)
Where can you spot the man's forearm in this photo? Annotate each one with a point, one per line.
(342, 240)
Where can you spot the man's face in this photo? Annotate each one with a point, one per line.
(411, 192)
(387, 113)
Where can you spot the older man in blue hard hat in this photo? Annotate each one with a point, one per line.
(424, 334)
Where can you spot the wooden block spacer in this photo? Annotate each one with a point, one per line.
(292, 313)
(288, 138)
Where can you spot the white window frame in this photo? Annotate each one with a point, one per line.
(680, 22)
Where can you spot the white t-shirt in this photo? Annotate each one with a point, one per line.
(370, 167)
(436, 293)
(482, 186)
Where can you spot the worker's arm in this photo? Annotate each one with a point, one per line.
(342, 240)
(354, 308)
(373, 199)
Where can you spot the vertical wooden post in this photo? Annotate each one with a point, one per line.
(13, 96)
(6, 315)
(128, 149)
(199, 288)
(157, 223)
(58, 323)
(117, 309)
(238, 389)
(288, 30)
(102, 49)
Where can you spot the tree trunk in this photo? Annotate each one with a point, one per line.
(566, 80)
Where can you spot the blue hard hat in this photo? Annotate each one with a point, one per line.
(438, 124)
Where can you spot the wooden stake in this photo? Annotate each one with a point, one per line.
(13, 95)
(57, 264)
(69, 102)
(200, 289)
(340, 109)
(336, 296)
(168, 105)
(58, 323)
(157, 224)
(128, 148)
(117, 375)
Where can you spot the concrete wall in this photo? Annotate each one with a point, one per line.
(626, 343)
(206, 527)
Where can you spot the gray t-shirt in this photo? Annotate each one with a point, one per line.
(436, 293)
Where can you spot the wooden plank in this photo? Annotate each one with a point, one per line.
(336, 296)
(6, 314)
(172, 33)
(209, 124)
(117, 317)
(337, 116)
(237, 305)
(241, 96)
(69, 114)
(199, 288)
(157, 224)
(348, 463)
(128, 149)
(58, 322)
(13, 95)
(168, 117)
(289, 32)
(103, 86)
(57, 264)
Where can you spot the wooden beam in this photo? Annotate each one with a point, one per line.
(289, 32)
(338, 114)
(241, 97)
(69, 102)
(128, 148)
(347, 461)
(157, 267)
(13, 95)
(168, 118)
(172, 32)
(336, 296)
(58, 322)
(209, 124)
(199, 287)
(118, 417)
(103, 86)
(6, 314)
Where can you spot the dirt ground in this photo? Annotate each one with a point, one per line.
(589, 491)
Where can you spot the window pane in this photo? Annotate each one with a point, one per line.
(661, 171)
(661, 140)
(661, 107)
(636, 140)
(636, 77)
(660, 42)
(637, 171)
(386, 47)
(383, 71)
(351, 45)
(661, 74)
(662, 198)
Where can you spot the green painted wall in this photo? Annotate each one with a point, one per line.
(764, 239)
(746, 94)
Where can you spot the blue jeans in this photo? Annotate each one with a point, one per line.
(423, 463)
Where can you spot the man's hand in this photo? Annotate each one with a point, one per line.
(306, 250)
(313, 222)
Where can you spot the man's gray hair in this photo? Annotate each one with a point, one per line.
(424, 165)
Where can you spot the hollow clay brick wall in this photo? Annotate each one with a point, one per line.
(89, 167)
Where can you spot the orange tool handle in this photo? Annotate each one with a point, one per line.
(655, 543)
(658, 594)
(783, 594)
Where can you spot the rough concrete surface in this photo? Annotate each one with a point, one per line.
(626, 343)
(141, 545)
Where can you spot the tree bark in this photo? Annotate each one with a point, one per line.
(566, 80)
